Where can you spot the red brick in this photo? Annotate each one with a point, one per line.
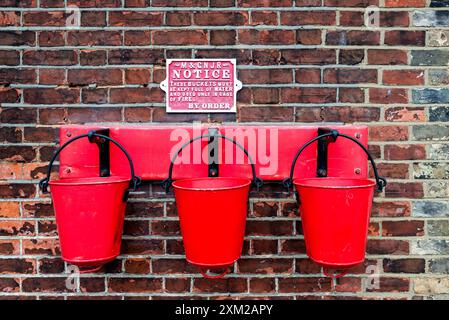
(101, 77)
(135, 18)
(350, 76)
(139, 285)
(351, 3)
(308, 37)
(136, 95)
(264, 3)
(381, 246)
(387, 57)
(17, 38)
(264, 18)
(309, 56)
(308, 95)
(392, 285)
(405, 152)
(403, 77)
(265, 266)
(405, 38)
(220, 18)
(92, 57)
(223, 37)
(137, 37)
(22, 76)
(9, 57)
(82, 115)
(9, 18)
(308, 75)
(94, 38)
(137, 265)
(251, 114)
(294, 18)
(231, 285)
(353, 38)
(262, 285)
(136, 56)
(351, 95)
(388, 96)
(394, 19)
(51, 96)
(266, 37)
(304, 285)
(412, 190)
(50, 57)
(263, 76)
(45, 18)
(388, 133)
(402, 228)
(352, 18)
(405, 3)
(391, 209)
(177, 37)
(404, 265)
(405, 114)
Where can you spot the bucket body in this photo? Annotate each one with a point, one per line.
(90, 214)
(212, 214)
(335, 216)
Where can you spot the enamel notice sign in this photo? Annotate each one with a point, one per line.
(201, 85)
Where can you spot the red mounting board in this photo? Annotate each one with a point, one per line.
(272, 147)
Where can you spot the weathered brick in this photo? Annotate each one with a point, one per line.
(439, 265)
(429, 247)
(429, 57)
(431, 132)
(438, 228)
(430, 18)
(431, 285)
(431, 170)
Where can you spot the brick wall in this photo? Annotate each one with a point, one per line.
(303, 61)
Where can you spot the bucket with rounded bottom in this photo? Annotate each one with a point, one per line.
(90, 212)
(212, 214)
(335, 213)
(335, 216)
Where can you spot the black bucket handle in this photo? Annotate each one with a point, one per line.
(380, 181)
(257, 182)
(135, 180)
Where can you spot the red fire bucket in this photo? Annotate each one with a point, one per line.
(90, 213)
(335, 216)
(335, 213)
(212, 214)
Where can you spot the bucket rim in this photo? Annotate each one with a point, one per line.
(302, 182)
(84, 181)
(245, 182)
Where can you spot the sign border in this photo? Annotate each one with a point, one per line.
(237, 83)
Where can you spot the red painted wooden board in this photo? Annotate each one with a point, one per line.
(272, 147)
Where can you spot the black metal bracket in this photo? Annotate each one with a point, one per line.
(213, 154)
(103, 149)
(323, 143)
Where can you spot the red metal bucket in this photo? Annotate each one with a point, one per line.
(335, 216)
(212, 214)
(90, 212)
(335, 212)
